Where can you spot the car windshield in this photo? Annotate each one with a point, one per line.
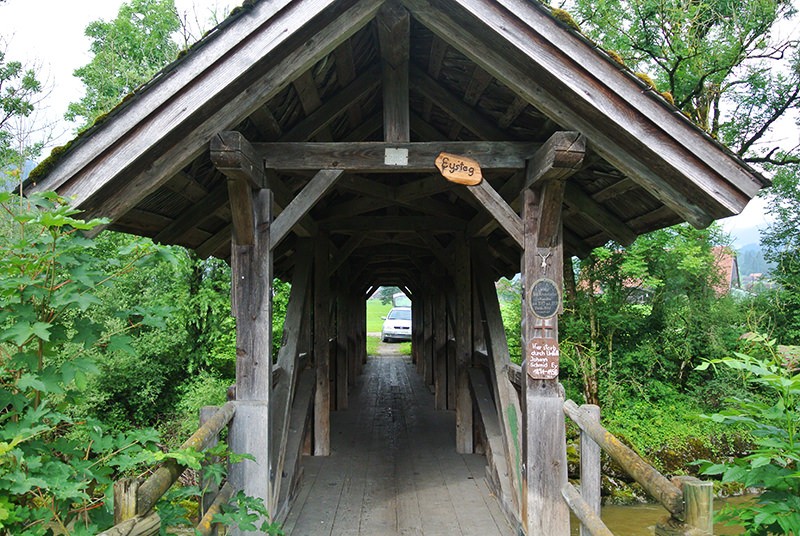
(400, 314)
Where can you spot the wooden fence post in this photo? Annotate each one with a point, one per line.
(209, 487)
(125, 492)
(590, 466)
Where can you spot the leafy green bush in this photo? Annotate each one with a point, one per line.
(55, 470)
(772, 415)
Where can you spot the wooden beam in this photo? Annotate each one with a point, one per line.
(372, 156)
(326, 113)
(344, 252)
(463, 332)
(397, 224)
(316, 188)
(307, 92)
(580, 201)
(266, 124)
(322, 357)
(194, 215)
(456, 107)
(251, 275)
(513, 111)
(495, 205)
(560, 156)
(507, 406)
(478, 83)
(346, 73)
(288, 358)
(394, 31)
(233, 155)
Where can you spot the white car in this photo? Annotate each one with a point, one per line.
(397, 325)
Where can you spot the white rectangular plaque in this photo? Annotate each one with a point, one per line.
(395, 156)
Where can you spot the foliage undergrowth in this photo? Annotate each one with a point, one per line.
(771, 414)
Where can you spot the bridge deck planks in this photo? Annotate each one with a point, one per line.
(393, 468)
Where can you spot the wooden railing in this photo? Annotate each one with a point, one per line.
(134, 500)
(688, 500)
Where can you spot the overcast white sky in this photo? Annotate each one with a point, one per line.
(50, 35)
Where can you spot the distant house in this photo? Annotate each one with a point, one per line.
(728, 269)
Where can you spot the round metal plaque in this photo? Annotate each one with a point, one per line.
(545, 298)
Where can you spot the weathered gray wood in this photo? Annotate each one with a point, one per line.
(194, 215)
(590, 468)
(342, 328)
(519, 74)
(591, 524)
(288, 361)
(310, 101)
(499, 209)
(651, 480)
(560, 156)
(332, 108)
(544, 511)
(331, 33)
(616, 229)
(311, 193)
(151, 490)
(440, 350)
(370, 156)
(137, 526)
(513, 111)
(507, 401)
(346, 73)
(301, 411)
(698, 504)
(463, 350)
(344, 252)
(394, 31)
(456, 108)
(322, 397)
(249, 433)
(125, 493)
(206, 526)
(496, 453)
(252, 287)
(209, 487)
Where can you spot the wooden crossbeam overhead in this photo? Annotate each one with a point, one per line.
(307, 92)
(346, 73)
(326, 113)
(266, 124)
(302, 203)
(372, 156)
(483, 223)
(455, 107)
(591, 209)
(495, 205)
(435, 61)
(194, 215)
(397, 224)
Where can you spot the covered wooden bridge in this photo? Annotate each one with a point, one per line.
(300, 139)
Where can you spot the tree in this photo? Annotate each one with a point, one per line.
(781, 241)
(718, 60)
(128, 51)
(19, 92)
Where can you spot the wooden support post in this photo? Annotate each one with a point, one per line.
(440, 349)
(209, 487)
(463, 321)
(322, 399)
(590, 467)
(698, 509)
(451, 350)
(545, 513)
(125, 492)
(427, 331)
(342, 330)
(252, 292)
(352, 338)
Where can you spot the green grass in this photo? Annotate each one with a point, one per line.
(375, 310)
(372, 345)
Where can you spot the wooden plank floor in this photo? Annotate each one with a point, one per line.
(393, 467)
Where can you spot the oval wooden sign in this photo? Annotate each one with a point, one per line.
(459, 169)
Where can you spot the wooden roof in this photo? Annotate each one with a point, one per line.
(323, 71)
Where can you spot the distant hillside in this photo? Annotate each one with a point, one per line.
(751, 260)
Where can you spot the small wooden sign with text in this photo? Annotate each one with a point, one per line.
(459, 169)
(542, 356)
